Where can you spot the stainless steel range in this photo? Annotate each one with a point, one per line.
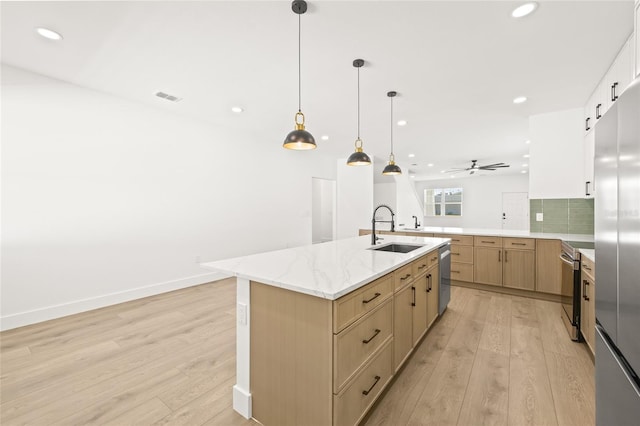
(571, 290)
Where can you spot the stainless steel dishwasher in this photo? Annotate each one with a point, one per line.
(445, 277)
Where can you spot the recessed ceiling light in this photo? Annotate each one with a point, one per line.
(47, 33)
(402, 123)
(526, 156)
(524, 9)
(411, 155)
(525, 165)
(430, 165)
(524, 171)
(442, 171)
(527, 141)
(520, 99)
(413, 176)
(237, 109)
(452, 177)
(324, 137)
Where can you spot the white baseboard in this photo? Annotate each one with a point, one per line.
(242, 402)
(57, 311)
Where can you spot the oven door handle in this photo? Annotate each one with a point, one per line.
(566, 259)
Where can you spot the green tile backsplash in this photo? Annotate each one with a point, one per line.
(563, 216)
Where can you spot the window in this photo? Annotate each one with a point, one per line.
(443, 202)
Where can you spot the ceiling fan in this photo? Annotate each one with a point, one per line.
(474, 167)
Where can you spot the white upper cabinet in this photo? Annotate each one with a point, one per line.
(636, 39)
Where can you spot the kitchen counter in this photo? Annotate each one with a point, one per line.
(589, 254)
(328, 270)
(499, 233)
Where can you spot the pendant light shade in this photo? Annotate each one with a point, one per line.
(391, 168)
(359, 157)
(299, 138)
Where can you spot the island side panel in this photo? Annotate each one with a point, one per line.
(241, 390)
(291, 355)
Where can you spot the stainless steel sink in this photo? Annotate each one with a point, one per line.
(396, 248)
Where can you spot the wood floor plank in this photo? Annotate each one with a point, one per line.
(499, 312)
(573, 393)
(530, 399)
(496, 338)
(486, 399)
(144, 414)
(523, 312)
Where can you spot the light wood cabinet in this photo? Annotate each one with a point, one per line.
(548, 266)
(461, 257)
(402, 325)
(420, 287)
(462, 271)
(487, 265)
(587, 305)
(519, 269)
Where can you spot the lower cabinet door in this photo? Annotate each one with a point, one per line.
(402, 325)
(487, 265)
(519, 269)
(352, 403)
(419, 307)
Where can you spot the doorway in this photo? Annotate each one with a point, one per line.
(323, 210)
(515, 211)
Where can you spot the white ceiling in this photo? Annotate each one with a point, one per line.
(455, 65)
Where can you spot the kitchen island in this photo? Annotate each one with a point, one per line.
(323, 328)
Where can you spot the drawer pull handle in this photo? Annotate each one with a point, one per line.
(455, 254)
(455, 272)
(519, 244)
(371, 338)
(369, 300)
(422, 266)
(586, 267)
(366, 392)
(585, 283)
(488, 242)
(433, 259)
(405, 277)
(455, 241)
(413, 301)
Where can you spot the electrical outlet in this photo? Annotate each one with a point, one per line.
(242, 314)
(538, 217)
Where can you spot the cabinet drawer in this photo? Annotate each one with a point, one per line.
(403, 275)
(358, 342)
(352, 306)
(360, 393)
(588, 267)
(432, 258)
(420, 265)
(519, 243)
(461, 254)
(462, 240)
(487, 241)
(462, 271)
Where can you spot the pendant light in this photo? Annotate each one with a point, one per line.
(299, 138)
(359, 157)
(391, 168)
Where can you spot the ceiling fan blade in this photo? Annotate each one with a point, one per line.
(472, 172)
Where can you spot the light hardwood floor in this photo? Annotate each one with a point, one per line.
(170, 359)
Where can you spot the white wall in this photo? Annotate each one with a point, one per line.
(556, 162)
(481, 199)
(385, 193)
(354, 198)
(323, 210)
(106, 200)
(409, 202)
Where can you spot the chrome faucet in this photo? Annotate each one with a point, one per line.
(373, 223)
(415, 222)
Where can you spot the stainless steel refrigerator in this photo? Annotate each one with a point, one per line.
(617, 244)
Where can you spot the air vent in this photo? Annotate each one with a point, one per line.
(168, 97)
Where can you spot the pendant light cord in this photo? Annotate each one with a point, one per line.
(299, 66)
(358, 102)
(391, 125)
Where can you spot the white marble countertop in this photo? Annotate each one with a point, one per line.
(328, 270)
(499, 233)
(589, 254)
